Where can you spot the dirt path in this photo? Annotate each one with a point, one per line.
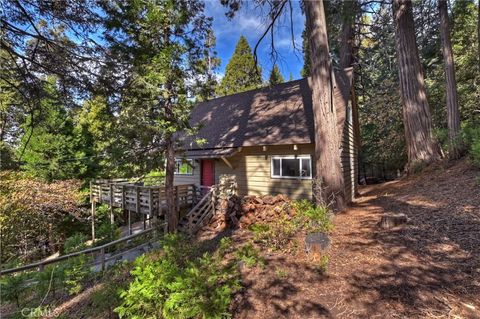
(428, 269)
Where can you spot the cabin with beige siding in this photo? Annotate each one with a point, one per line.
(265, 139)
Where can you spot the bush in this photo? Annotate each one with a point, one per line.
(172, 284)
(250, 255)
(278, 234)
(471, 136)
(313, 218)
(13, 288)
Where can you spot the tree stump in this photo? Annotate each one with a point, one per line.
(393, 220)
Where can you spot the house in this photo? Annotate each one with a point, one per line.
(265, 139)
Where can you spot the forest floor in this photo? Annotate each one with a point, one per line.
(428, 268)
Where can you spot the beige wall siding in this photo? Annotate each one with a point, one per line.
(251, 166)
(189, 179)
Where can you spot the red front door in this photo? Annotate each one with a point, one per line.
(208, 172)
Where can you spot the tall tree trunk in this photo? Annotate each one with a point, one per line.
(327, 153)
(347, 39)
(417, 120)
(453, 114)
(478, 33)
(172, 215)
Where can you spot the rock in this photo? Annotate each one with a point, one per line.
(258, 200)
(393, 220)
(268, 200)
(316, 243)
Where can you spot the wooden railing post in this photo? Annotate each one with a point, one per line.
(93, 220)
(112, 221)
(102, 258)
(190, 224)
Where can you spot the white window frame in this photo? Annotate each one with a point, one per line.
(188, 161)
(299, 157)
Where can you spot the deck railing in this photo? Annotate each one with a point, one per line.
(99, 253)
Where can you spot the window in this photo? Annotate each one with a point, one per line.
(184, 167)
(292, 166)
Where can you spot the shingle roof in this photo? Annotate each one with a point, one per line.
(276, 115)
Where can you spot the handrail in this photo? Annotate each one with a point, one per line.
(75, 254)
(202, 204)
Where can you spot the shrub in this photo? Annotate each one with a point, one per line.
(471, 136)
(250, 255)
(172, 284)
(13, 288)
(106, 298)
(322, 266)
(313, 218)
(276, 235)
(76, 269)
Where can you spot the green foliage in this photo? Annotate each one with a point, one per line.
(322, 266)
(48, 145)
(250, 256)
(75, 270)
(278, 235)
(225, 245)
(107, 296)
(465, 53)
(275, 76)
(281, 273)
(380, 106)
(174, 284)
(313, 218)
(240, 73)
(13, 288)
(74, 243)
(470, 135)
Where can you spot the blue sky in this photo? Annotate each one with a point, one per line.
(250, 22)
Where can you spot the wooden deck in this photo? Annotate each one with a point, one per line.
(148, 200)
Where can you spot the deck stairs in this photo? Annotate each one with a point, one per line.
(200, 214)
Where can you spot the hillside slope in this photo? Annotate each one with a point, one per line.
(429, 268)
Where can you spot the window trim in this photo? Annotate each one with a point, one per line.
(299, 157)
(187, 161)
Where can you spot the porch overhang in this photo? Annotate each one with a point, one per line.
(212, 153)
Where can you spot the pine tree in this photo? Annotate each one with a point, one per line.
(453, 115)
(167, 42)
(421, 147)
(275, 76)
(327, 143)
(240, 74)
(48, 147)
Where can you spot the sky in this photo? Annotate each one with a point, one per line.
(251, 22)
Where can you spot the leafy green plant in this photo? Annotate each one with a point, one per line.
(49, 281)
(281, 273)
(322, 266)
(250, 256)
(312, 218)
(471, 137)
(76, 269)
(13, 288)
(174, 284)
(225, 245)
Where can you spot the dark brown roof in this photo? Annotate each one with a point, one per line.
(276, 115)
